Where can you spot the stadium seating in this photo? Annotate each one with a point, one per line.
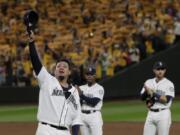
(111, 34)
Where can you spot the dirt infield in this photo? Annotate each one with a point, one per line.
(115, 128)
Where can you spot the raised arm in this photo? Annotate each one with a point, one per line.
(37, 65)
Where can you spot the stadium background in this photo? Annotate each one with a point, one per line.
(121, 38)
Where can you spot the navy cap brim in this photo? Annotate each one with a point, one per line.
(90, 71)
(159, 65)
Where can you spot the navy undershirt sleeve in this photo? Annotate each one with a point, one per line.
(36, 63)
(90, 101)
(169, 98)
(75, 129)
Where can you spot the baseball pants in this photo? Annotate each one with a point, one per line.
(92, 124)
(158, 122)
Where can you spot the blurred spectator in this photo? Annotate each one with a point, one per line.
(109, 34)
(2, 74)
(134, 54)
(9, 71)
(140, 43)
(103, 59)
(157, 41)
(177, 30)
(22, 77)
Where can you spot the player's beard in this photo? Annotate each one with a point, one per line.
(61, 78)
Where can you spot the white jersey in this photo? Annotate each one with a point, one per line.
(95, 90)
(163, 87)
(54, 108)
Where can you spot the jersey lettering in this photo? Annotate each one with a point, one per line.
(160, 92)
(57, 92)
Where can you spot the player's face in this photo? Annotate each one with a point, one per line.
(62, 69)
(159, 73)
(90, 78)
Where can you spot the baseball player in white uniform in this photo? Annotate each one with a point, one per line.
(91, 95)
(59, 103)
(158, 93)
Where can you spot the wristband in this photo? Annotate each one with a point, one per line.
(31, 41)
(157, 96)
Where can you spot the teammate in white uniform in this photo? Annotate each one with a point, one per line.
(158, 93)
(91, 96)
(59, 103)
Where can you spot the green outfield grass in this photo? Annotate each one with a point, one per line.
(133, 111)
(112, 111)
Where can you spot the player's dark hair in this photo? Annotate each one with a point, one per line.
(66, 61)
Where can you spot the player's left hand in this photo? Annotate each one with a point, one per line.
(150, 102)
(149, 90)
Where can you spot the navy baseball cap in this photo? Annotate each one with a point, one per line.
(159, 65)
(90, 71)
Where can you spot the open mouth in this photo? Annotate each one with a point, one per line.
(61, 72)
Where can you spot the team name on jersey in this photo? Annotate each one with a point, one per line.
(57, 92)
(160, 92)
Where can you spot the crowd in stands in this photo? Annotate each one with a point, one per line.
(109, 34)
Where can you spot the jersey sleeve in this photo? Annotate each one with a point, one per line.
(143, 90)
(82, 87)
(43, 76)
(170, 90)
(77, 120)
(99, 93)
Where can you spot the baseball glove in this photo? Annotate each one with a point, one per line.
(150, 101)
